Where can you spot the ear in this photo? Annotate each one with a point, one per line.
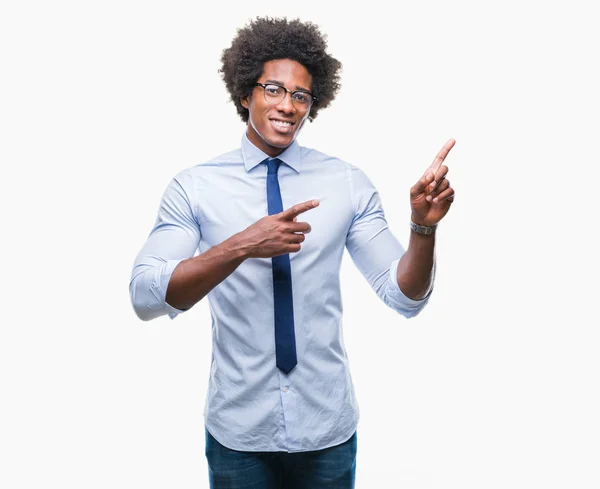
(245, 101)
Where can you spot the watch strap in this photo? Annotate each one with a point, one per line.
(417, 228)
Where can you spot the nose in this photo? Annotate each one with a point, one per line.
(286, 104)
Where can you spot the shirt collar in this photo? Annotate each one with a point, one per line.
(253, 156)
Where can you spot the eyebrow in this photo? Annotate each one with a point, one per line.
(277, 82)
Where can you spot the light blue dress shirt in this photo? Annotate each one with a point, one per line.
(251, 405)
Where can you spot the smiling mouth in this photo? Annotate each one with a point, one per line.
(282, 126)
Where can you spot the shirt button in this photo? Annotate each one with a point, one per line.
(285, 389)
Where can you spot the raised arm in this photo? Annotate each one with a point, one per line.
(374, 249)
(430, 200)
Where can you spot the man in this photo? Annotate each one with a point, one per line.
(280, 408)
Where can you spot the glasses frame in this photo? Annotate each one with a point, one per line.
(292, 92)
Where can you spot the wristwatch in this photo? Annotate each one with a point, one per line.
(422, 229)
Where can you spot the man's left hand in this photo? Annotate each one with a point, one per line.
(432, 196)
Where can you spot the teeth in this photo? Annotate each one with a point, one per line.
(282, 124)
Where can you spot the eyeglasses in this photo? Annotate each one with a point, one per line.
(274, 94)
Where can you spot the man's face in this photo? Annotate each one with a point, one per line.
(268, 127)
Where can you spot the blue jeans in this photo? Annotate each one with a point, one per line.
(330, 468)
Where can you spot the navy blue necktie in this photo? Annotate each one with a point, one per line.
(285, 339)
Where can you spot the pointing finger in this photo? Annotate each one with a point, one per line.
(441, 156)
(299, 209)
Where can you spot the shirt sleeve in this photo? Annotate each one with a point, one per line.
(175, 236)
(374, 249)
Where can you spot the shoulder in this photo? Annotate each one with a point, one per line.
(342, 170)
(189, 177)
(354, 172)
(311, 157)
(231, 158)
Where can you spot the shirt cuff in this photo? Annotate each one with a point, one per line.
(159, 288)
(398, 300)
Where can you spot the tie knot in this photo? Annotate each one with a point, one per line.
(273, 165)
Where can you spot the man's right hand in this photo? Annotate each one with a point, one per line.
(277, 234)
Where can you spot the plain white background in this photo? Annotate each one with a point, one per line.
(494, 385)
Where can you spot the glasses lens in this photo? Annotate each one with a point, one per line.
(302, 100)
(274, 94)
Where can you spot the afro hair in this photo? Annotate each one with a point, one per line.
(265, 39)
